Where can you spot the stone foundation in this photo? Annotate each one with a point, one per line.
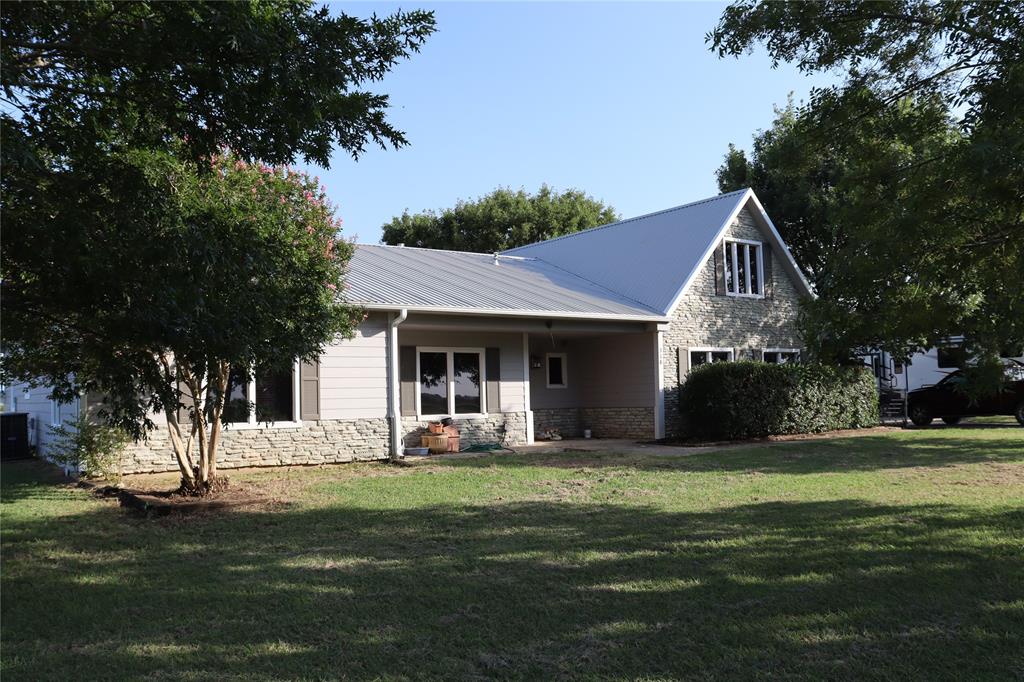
(507, 428)
(315, 442)
(603, 422)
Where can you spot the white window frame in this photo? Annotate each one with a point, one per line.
(54, 413)
(252, 423)
(730, 247)
(547, 370)
(449, 373)
(707, 350)
(766, 351)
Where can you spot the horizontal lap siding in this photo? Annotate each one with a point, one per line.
(616, 370)
(354, 374)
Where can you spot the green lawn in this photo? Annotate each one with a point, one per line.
(878, 557)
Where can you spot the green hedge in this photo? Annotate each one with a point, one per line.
(733, 400)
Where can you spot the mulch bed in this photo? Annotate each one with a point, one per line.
(163, 502)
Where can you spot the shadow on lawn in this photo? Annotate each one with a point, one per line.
(837, 589)
(861, 453)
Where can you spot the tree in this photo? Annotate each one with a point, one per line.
(204, 274)
(805, 179)
(271, 79)
(932, 235)
(501, 220)
(142, 261)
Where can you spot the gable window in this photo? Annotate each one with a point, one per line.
(743, 268)
(781, 356)
(273, 393)
(450, 381)
(704, 356)
(557, 377)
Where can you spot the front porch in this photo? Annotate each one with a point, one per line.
(512, 380)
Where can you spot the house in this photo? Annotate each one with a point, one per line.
(594, 330)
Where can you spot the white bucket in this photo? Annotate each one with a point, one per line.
(586, 433)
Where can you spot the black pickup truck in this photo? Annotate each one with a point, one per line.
(947, 400)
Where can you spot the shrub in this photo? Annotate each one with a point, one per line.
(95, 449)
(733, 400)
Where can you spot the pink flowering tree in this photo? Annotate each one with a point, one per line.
(218, 269)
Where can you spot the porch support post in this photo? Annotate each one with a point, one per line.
(526, 388)
(659, 384)
(394, 413)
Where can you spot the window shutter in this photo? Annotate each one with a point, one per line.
(309, 390)
(720, 288)
(758, 354)
(186, 402)
(682, 363)
(493, 365)
(407, 380)
(769, 280)
(737, 354)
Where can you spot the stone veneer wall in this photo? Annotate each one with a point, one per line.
(603, 422)
(565, 419)
(704, 319)
(315, 442)
(508, 428)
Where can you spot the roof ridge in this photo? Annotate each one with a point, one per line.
(629, 220)
(466, 253)
(599, 285)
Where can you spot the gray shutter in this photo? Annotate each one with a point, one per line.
(737, 354)
(769, 280)
(758, 354)
(720, 287)
(407, 380)
(493, 364)
(309, 390)
(186, 403)
(682, 363)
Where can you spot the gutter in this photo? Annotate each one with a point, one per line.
(393, 407)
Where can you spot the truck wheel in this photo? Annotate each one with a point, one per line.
(951, 421)
(920, 415)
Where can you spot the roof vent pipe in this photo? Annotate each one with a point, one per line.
(495, 257)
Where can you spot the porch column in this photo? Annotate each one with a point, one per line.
(394, 413)
(659, 383)
(526, 388)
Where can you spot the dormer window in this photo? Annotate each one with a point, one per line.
(743, 268)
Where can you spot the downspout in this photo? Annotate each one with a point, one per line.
(393, 408)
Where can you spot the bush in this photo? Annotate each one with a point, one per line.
(95, 449)
(734, 400)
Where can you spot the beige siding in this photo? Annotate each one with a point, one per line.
(603, 371)
(354, 374)
(510, 346)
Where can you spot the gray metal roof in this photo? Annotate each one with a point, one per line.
(430, 279)
(648, 259)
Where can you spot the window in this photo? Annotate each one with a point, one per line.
(743, 268)
(781, 356)
(703, 356)
(450, 381)
(556, 370)
(54, 413)
(273, 393)
(951, 357)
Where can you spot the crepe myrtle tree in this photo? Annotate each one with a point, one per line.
(227, 267)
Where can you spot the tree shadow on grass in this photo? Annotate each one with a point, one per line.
(536, 590)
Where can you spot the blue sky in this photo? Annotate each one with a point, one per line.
(624, 101)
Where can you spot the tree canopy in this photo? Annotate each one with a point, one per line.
(149, 251)
(502, 219)
(909, 202)
(273, 80)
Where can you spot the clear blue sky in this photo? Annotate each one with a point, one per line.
(623, 101)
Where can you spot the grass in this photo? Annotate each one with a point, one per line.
(879, 557)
